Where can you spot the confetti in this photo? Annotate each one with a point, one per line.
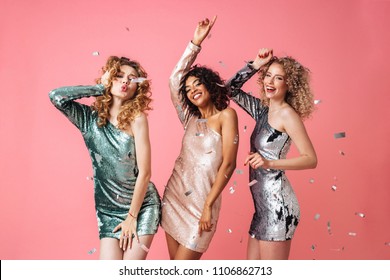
(235, 140)
(220, 85)
(128, 29)
(334, 188)
(361, 215)
(352, 233)
(244, 128)
(313, 247)
(329, 229)
(311, 181)
(318, 101)
(209, 152)
(138, 80)
(201, 127)
(253, 236)
(93, 250)
(252, 183)
(143, 247)
(339, 135)
(316, 216)
(95, 53)
(229, 230)
(387, 243)
(187, 193)
(239, 171)
(232, 190)
(89, 178)
(342, 153)
(221, 63)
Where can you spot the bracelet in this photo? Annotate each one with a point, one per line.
(131, 215)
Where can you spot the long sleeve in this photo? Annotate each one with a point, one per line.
(180, 70)
(249, 103)
(79, 114)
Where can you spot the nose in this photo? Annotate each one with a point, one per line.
(126, 80)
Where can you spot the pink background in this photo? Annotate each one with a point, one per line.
(47, 208)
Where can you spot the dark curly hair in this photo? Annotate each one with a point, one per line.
(214, 85)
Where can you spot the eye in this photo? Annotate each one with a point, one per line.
(268, 75)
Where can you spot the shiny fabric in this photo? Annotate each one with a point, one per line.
(194, 172)
(112, 152)
(277, 210)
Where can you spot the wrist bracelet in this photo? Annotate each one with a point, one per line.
(131, 215)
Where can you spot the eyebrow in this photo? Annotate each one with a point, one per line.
(196, 80)
(277, 75)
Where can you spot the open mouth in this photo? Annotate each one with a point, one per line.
(124, 88)
(196, 96)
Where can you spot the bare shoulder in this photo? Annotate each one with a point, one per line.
(288, 114)
(228, 114)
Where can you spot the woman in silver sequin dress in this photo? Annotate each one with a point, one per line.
(286, 100)
(192, 197)
(115, 131)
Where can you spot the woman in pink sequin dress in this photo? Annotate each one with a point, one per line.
(192, 197)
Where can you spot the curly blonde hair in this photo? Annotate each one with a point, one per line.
(130, 108)
(299, 94)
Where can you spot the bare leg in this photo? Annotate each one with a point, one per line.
(274, 250)
(109, 249)
(139, 250)
(179, 252)
(253, 249)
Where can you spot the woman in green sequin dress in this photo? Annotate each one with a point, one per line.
(115, 131)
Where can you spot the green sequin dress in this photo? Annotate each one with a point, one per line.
(114, 164)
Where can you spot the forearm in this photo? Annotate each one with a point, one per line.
(240, 78)
(140, 189)
(61, 96)
(297, 163)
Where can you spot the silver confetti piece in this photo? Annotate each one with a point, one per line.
(89, 178)
(232, 190)
(244, 128)
(252, 183)
(128, 29)
(329, 228)
(239, 171)
(187, 193)
(235, 141)
(313, 247)
(93, 250)
(311, 180)
(342, 153)
(334, 188)
(95, 53)
(352, 233)
(229, 230)
(317, 101)
(361, 215)
(138, 80)
(316, 216)
(253, 236)
(339, 135)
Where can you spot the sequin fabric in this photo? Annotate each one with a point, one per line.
(112, 152)
(277, 210)
(194, 171)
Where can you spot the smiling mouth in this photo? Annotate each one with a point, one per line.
(196, 96)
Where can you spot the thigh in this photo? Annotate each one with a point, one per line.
(172, 244)
(253, 249)
(139, 251)
(184, 253)
(274, 250)
(109, 249)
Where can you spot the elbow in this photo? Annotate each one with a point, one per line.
(313, 163)
(55, 99)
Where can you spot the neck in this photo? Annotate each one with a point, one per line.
(115, 108)
(208, 111)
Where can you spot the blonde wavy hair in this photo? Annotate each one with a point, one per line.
(299, 94)
(130, 108)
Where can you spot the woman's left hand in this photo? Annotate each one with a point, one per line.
(205, 220)
(129, 231)
(256, 161)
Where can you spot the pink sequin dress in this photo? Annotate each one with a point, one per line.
(194, 172)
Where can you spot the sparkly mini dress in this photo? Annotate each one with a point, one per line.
(113, 156)
(276, 207)
(194, 172)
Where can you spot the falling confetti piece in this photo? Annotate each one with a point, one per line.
(316, 216)
(252, 183)
(313, 247)
(220, 85)
(361, 215)
(93, 250)
(339, 135)
(244, 128)
(232, 190)
(235, 141)
(143, 247)
(239, 171)
(138, 80)
(334, 187)
(329, 228)
(209, 152)
(90, 178)
(311, 181)
(221, 63)
(317, 101)
(187, 193)
(229, 230)
(253, 236)
(342, 153)
(128, 29)
(95, 53)
(387, 243)
(352, 233)
(117, 196)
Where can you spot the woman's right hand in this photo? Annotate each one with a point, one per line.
(202, 30)
(262, 58)
(104, 79)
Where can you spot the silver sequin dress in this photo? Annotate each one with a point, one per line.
(194, 172)
(112, 152)
(276, 207)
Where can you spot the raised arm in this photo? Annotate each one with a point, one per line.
(185, 62)
(63, 99)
